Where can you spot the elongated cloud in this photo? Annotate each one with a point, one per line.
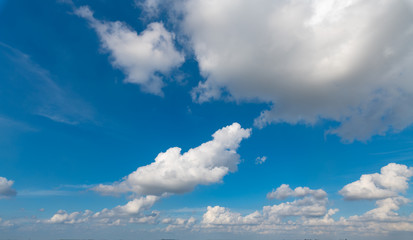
(173, 172)
(390, 182)
(130, 212)
(6, 189)
(145, 58)
(284, 191)
(348, 61)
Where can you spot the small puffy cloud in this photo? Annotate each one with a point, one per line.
(145, 58)
(260, 160)
(222, 216)
(174, 172)
(343, 61)
(284, 191)
(130, 212)
(6, 189)
(390, 182)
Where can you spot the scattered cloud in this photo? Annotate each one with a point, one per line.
(348, 62)
(173, 172)
(178, 223)
(145, 58)
(308, 214)
(284, 191)
(130, 212)
(308, 206)
(390, 182)
(260, 160)
(6, 190)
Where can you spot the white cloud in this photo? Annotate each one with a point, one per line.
(6, 189)
(392, 180)
(308, 214)
(130, 212)
(222, 216)
(173, 172)
(346, 61)
(145, 58)
(386, 208)
(284, 191)
(311, 204)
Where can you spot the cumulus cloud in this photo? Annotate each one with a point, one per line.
(6, 189)
(308, 214)
(222, 216)
(145, 58)
(130, 212)
(174, 172)
(284, 191)
(309, 204)
(386, 188)
(346, 61)
(390, 182)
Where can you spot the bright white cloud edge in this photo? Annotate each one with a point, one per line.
(174, 172)
(145, 58)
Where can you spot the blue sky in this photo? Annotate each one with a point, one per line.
(309, 105)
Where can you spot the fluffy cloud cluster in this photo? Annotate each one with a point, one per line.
(308, 213)
(390, 182)
(173, 172)
(346, 61)
(386, 187)
(145, 58)
(309, 204)
(6, 189)
(130, 212)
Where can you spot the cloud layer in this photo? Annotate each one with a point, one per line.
(145, 58)
(173, 172)
(6, 189)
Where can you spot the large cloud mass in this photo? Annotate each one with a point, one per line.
(144, 58)
(348, 61)
(173, 172)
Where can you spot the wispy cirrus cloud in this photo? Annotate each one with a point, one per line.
(42, 95)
